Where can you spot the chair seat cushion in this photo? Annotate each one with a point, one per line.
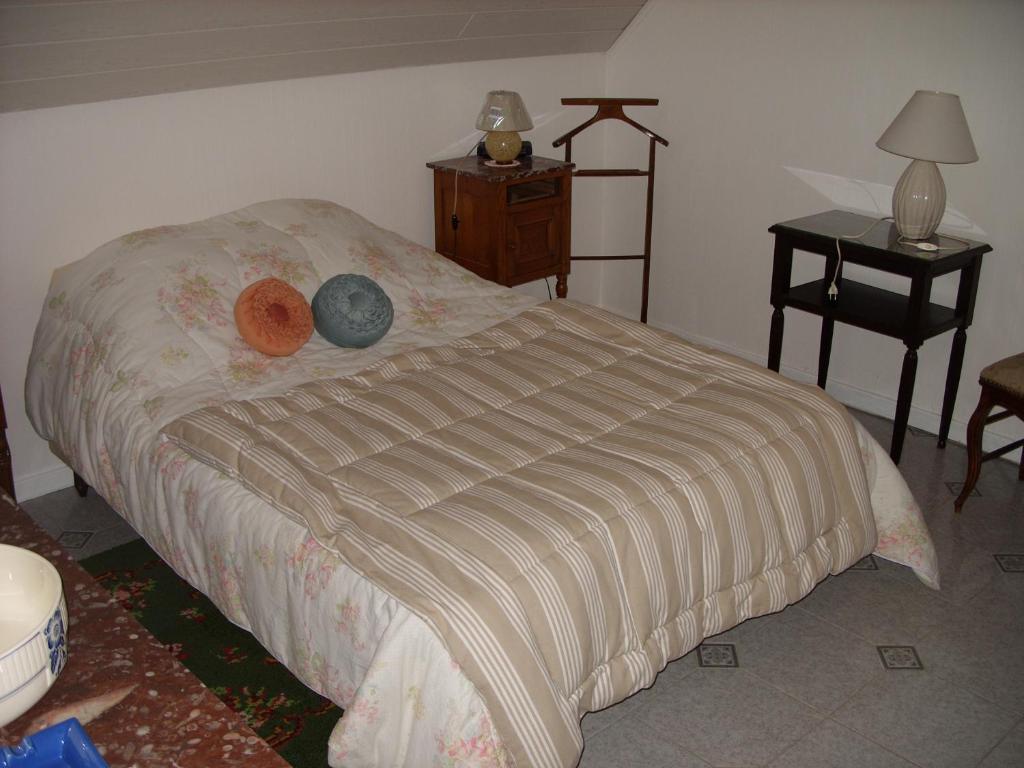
(1007, 375)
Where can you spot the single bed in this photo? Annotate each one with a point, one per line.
(138, 338)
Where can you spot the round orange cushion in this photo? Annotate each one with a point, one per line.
(273, 317)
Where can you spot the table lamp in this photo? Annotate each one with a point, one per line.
(930, 129)
(503, 116)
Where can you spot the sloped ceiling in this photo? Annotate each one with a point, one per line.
(57, 52)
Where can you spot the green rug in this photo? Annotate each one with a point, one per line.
(290, 717)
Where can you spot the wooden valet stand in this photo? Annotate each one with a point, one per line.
(611, 109)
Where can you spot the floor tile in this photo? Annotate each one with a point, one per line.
(106, 539)
(965, 568)
(1010, 563)
(926, 720)
(869, 563)
(1009, 753)
(893, 569)
(1003, 601)
(811, 660)
(745, 631)
(993, 520)
(881, 608)
(955, 488)
(728, 717)
(668, 680)
(981, 654)
(65, 510)
(927, 468)
(896, 658)
(717, 655)
(673, 674)
(595, 722)
(830, 745)
(74, 539)
(83, 526)
(629, 745)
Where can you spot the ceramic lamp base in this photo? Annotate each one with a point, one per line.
(503, 146)
(919, 200)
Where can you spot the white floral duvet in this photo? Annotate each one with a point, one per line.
(141, 332)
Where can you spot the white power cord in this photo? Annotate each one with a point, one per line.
(924, 245)
(833, 289)
(921, 245)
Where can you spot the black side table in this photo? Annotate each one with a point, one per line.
(912, 318)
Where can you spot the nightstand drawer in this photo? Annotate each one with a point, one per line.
(528, 191)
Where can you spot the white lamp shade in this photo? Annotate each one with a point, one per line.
(931, 126)
(504, 111)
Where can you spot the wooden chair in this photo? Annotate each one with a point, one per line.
(1002, 384)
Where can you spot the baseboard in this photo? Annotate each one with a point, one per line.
(43, 482)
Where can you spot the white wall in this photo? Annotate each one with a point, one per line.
(72, 178)
(748, 87)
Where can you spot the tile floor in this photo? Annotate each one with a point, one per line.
(871, 669)
(84, 527)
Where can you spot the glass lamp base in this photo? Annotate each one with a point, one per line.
(503, 146)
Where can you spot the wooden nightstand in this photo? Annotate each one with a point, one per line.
(509, 225)
(6, 472)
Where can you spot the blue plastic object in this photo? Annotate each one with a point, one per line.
(64, 745)
(352, 311)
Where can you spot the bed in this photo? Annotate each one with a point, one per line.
(140, 383)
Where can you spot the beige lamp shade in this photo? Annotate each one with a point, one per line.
(504, 111)
(931, 126)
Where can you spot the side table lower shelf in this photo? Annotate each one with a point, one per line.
(868, 307)
(169, 719)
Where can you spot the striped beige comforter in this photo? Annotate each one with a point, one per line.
(570, 500)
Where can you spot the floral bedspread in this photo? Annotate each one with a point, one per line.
(141, 332)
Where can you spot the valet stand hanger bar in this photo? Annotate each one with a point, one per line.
(611, 109)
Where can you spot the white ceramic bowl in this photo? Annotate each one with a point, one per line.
(33, 629)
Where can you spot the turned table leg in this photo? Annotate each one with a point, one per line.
(956, 361)
(906, 394)
(562, 285)
(825, 349)
(775, 339)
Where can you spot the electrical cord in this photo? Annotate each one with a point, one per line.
(833, 289)
(932, 247)
(455, 191)
(921, 245)
(455, 206)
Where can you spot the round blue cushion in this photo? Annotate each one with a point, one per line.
(352, 311)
